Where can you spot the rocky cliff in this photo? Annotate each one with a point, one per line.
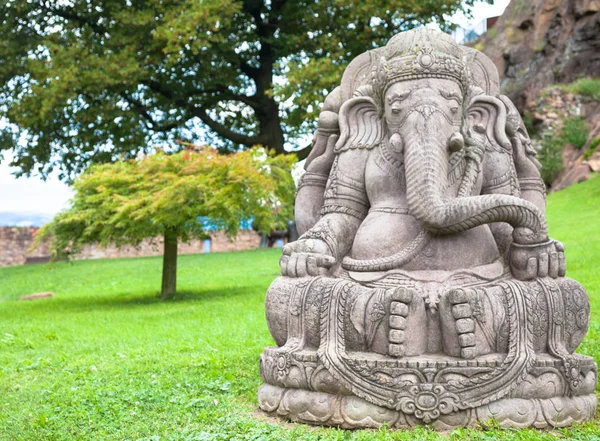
(541, 42)
(548, 56)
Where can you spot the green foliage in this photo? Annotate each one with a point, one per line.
(575, 131)
(105, 360)
(86, 81)
(528, 121)
(591, 149)
(550, 156)
(588, 87)
(130, 200)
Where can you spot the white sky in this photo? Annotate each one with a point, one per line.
(481, 11)
(32, 195)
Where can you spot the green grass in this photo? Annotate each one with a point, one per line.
(105, 360)
(587, 87)
(591, 149)
(575, 131)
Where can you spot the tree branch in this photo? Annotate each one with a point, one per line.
(158, 88)
(200, 113)
(253, 8)
(249, 71)
(225, 132)
(221, 94)
(230, 96)
(142, 110)
(62, 13)
(276, 6)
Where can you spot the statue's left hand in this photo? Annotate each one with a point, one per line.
(306, 257)
(545, 259)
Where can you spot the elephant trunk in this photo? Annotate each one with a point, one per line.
(426, 162)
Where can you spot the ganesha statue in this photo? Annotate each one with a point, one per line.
(424, 288)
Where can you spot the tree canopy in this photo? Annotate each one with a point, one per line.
(164, 195)
(89, 80)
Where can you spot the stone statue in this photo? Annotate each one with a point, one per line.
(424, 288)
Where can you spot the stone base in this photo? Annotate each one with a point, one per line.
(351, 412)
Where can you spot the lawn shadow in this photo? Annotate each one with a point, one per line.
(147, 299)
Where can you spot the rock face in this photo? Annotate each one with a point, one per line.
(537, 44)
(541, 42)
(550, 112)
(424, 288)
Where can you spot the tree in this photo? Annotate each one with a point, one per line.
(164, 195)
(88, 80)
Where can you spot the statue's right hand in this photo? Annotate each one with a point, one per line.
(306, 257)
(546, 259)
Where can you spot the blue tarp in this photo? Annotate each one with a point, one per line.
(209, 225)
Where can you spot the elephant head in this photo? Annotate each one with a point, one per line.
(424, 106)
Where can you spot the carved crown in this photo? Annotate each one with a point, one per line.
(420, 53)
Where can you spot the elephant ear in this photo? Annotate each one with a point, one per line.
(523, 152)
(515, 127)
(487, 115)
(361, 125)
(482, 71)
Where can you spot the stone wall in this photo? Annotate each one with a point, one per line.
(15, 244)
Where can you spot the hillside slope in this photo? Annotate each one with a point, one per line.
(541, 42)
(548, 55)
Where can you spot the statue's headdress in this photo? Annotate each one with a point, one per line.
(415, 54)
(420, 53)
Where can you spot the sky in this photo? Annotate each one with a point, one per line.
(32, 195)
(481, 11)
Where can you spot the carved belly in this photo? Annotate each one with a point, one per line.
(386, 233)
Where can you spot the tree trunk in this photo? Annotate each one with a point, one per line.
(270, 125)
(169, 275)
(268, 113)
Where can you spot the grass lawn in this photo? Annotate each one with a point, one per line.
(105, 360)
